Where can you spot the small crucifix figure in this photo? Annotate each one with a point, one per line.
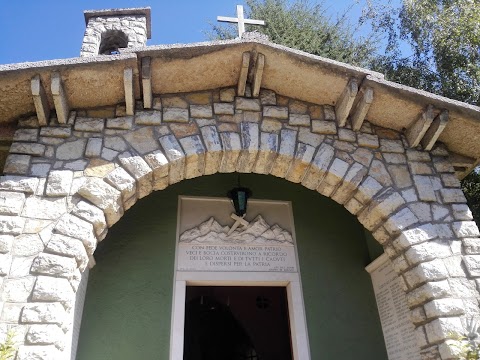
(240, 20)
(238, 221)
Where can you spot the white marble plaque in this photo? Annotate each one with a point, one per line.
(398, 330)
(258, 246)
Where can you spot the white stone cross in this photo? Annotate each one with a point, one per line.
(238, 221)
(240, 20)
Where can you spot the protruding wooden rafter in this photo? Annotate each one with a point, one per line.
(59, 98)
(40, 101)
(257, 75)
(147, 82)
(361, 109)
(128, 86)
(242, 79)
(417, 130)
(435, 130)
(345, 102)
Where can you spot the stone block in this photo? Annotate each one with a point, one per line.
(183, 130)
(38, 352)
(77, 228)
(6, 243)
(443, 328)
(27, 245)
(115, 143)
(286, 153)
(271, 125)
(94, 147)
(175, 115)
(347, 135)
(44, 334)
(319, 166)
(227, 95)
(52, 289)
(453, 196)
(299, 120)
(27, 135)
(56, 131)
(303, 156)
(159, 164)
(54, 265)
(11, 203)
(242, 103)
(249, 135)
(140, 170)
(194, 156)
(17, 164)
(142, 140)
(11, 225)
(401, 220)
(18, 183)
(5, 262)
(391, 146)
(46, 313)
(465, 229)
(434, 270)
(414, 236)
(395, 158)
(429, 291)
(92, 214)
(400, 175)
(278, 112)
(472, 263)
(428, 251)
(68, 246)
(59, 183)
(381, 207)
(223, 109)
(33, 149)
(324, 127)
(174, 102)
(89, 124)
(201, 111)
(425, 188)
(123, 123)
(334, 177)
(71, 150)
(176, 157)
(44, 208)
(267, 153)
(305, 136)
(231, 151)
(155, 117)
(17, 290)
(267, 97)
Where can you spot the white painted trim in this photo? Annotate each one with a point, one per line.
(292, 282)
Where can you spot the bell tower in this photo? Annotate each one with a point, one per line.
(112, 29)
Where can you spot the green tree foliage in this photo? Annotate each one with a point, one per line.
(471, 188)
(304, 26)
(444, 40)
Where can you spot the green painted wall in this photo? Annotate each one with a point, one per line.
(128, 303)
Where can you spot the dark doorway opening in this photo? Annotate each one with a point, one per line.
(236, 323)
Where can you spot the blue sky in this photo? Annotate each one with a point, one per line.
(34, 30)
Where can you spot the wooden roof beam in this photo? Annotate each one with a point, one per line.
(147, 82)
(417, 130)
(345, 102)
(129, 95)
(60, 98)
(361, 109)
(40, 100)
(242, 79)
(257, 75)
(434, 131)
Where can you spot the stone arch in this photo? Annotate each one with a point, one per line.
(68, 184)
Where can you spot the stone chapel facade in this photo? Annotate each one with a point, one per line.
(92, 135)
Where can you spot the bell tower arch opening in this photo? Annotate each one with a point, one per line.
(112, 41)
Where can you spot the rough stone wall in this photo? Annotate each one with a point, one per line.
(65, 185)
(134, 27)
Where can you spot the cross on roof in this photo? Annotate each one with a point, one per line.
(240, 20)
